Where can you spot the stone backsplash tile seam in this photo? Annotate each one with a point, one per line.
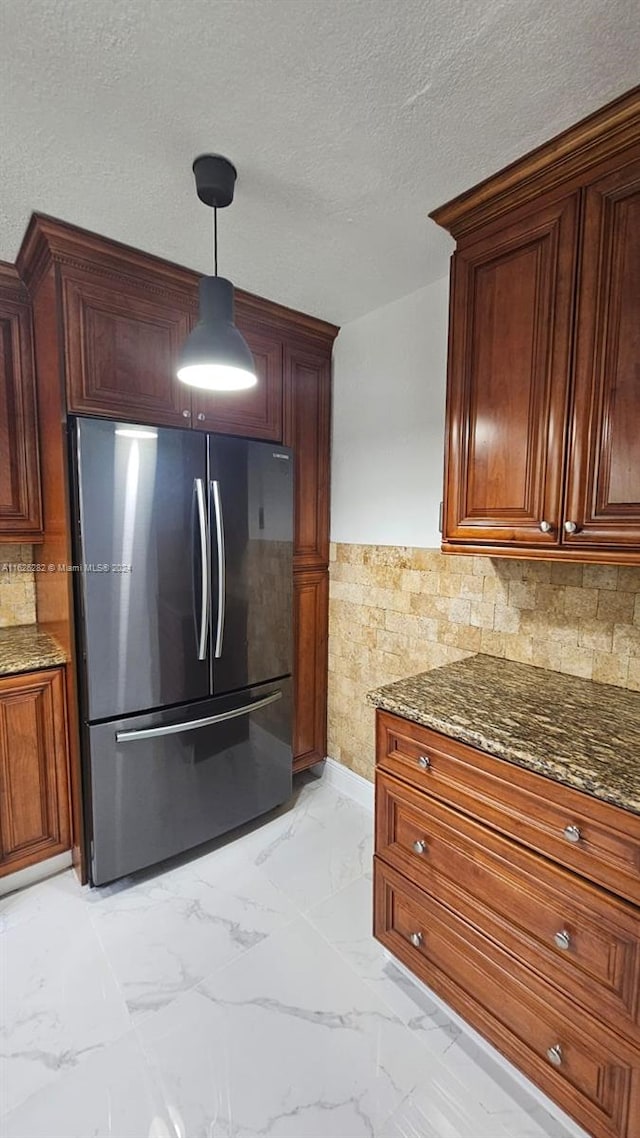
(397, 610)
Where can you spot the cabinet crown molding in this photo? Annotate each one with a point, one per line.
(49, 240)
(11, 287)
(570, 155)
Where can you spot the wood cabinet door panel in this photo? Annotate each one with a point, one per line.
(20, 505)
(603, 490)
(257, 412)
(510, 344)
(597, 1079)
(308, 431)
(310, 629)
(122, 346)
(34, 799)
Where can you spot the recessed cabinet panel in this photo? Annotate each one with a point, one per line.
(122, 345)
(307, 430)
(311, 604)
(257, 412)
(20, 508)
(34, 798)
(509, 365)
(603, 496)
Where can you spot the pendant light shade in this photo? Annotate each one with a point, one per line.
(215, 356)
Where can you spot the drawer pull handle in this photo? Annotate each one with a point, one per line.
(419, 847)
(424, 762)
(416, 939)
(572, 833)
(562, 939)
(554, 1055)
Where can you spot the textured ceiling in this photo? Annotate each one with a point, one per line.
(348, 120)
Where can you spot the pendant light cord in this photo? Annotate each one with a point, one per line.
(215, 241)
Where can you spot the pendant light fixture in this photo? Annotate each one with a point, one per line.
(215, 356)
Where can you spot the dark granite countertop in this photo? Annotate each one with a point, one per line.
(577, 732)
(26, 647)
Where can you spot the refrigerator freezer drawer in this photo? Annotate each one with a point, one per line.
(164, 782)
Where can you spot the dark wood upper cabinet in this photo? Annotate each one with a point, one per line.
(257, 412)
(543, 419)
(121, 348)
(508, 378)
(20, 500)
(308, 431)
(603, 484)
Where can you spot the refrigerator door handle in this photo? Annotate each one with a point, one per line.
(177, 728)
(222, 565)
(204, 561)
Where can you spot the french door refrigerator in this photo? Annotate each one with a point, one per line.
(184, 598)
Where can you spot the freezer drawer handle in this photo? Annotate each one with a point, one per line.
(177, 728)
(222, 584)
(204, 559)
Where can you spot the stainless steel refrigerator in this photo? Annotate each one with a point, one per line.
(183, 593)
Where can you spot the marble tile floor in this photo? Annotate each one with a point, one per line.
(235, 994)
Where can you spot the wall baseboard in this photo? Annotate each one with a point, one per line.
(33, 873)
(572, 1127)
(347, 782)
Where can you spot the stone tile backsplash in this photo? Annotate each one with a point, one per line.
(17, 586)
(395, 611)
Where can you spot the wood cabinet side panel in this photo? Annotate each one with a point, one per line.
(20, 496)
(307, 428)
(311, 625)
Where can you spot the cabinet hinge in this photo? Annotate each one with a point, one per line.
(440, 517)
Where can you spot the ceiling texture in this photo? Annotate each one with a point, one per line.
(348, 121)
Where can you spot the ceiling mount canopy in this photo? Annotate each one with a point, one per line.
(215, 356)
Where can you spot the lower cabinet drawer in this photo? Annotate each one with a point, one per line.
(589, 837)
(577, 937)
(587, 1069)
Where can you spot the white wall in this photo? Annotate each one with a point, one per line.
(388, 422)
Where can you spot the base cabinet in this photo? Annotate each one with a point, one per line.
(34, 781)
(517, 937)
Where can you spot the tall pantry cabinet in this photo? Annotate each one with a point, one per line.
(108, 325)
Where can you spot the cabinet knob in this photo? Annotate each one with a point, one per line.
(419, 846)
(554, 1055)
(201, 416)
(186, 414)
(416, 939)
(572, 833)
(570, 527)
(424, 762)
(562, 939)
(546, 527)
